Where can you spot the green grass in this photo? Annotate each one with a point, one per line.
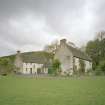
(73, 91)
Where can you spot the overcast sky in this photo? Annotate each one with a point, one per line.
(29, 25)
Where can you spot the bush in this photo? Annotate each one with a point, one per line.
(54, 69)
(4, 74)
(6, 66)
(100, 70)
(50, 70)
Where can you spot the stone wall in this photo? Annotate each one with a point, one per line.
(69, 63)
(66, 59)
(18, 62)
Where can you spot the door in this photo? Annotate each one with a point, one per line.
(30, 70)
(39, 70)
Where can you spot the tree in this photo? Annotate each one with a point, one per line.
(51, 48)
(96, 50)
(100, 68)
(6, 66)
(93, 50)
(56, 66)
(102, 50)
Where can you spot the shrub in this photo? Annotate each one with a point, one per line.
(98, 72)
(56, 66)
(50, 70)
(6, 66)
(4, 74)
(100, 68)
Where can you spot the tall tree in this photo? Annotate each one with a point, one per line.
(96, 50)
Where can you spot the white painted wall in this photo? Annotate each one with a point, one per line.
(77, 63)
(88, 66)
(34, 66)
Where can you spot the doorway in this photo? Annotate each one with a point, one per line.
(30, 70)
(39, 70)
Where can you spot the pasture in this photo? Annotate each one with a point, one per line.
(48, 91)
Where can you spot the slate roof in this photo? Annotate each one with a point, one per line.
(78, 53)
(40, 57)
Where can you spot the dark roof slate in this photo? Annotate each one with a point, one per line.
(40, 57)
(78, 53)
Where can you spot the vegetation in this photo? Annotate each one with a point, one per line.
(58, 91)
(92, 50)
(6, 66)
(51, 48)
(55, 68)
(96, 50)
(100, 70)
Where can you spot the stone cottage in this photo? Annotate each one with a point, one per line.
(69, 57)
(33, 62)
(39, 62)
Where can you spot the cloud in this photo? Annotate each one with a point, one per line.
(31, 24)
(26, 33)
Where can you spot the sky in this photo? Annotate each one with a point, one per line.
(29, 25)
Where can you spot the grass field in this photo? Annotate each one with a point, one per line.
(73, 91)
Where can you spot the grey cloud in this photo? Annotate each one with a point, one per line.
(30, 24)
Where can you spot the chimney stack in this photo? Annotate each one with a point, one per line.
(18, 52)
(62, 41)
